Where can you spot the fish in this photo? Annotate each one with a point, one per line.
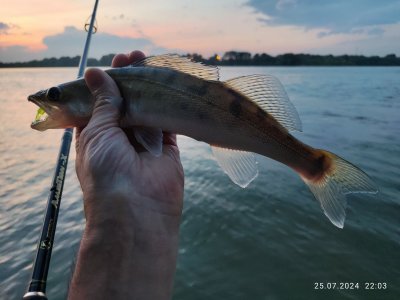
(238, 118)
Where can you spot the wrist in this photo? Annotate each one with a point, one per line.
(138, 269)
(129, 245)
(119, 216)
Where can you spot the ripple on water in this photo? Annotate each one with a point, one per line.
(235, 243)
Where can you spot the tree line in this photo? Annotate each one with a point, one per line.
(290, 59)
(64, 61)
(233, 58)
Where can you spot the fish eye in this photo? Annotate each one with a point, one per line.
(53, 93)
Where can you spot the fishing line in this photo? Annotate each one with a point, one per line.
(37, 286)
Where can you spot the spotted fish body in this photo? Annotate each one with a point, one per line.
(239, 117)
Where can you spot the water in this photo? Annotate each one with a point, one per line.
(269, 241)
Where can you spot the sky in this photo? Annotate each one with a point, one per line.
(36, 29)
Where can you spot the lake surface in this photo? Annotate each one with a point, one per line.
(268, 241)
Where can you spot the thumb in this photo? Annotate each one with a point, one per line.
(106, 111)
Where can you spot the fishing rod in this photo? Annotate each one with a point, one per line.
(37, 286)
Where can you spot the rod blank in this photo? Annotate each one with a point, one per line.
(37, 286)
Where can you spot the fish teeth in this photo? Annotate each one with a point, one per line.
(41, 116)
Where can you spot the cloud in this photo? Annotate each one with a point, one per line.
(71, 41)
(368, 41)
(339, 16)
(16, 53)
(119, 17)
(4, 28)
(368, 30)
(376, 31)
(375, 45)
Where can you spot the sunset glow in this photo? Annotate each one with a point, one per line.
(38, 29)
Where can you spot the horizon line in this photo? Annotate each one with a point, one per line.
(194, 54)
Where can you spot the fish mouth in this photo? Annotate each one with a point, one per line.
(42, 115)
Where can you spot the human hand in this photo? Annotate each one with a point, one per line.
(132, 203)
(109, 161)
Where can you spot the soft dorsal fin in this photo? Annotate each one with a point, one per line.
(182, 64)
(269, 94)
(240, 166)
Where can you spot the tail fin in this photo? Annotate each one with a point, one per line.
(343, 178)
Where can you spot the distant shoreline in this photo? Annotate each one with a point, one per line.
(233, 58)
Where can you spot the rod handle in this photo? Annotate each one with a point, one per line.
(34, 296)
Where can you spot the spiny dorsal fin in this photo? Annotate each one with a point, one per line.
(240, 166)
(269, 94)
(182, 64)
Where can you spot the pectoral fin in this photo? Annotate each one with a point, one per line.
(240, 166)
(150, 138)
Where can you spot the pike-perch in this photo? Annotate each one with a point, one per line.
(238, 117)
